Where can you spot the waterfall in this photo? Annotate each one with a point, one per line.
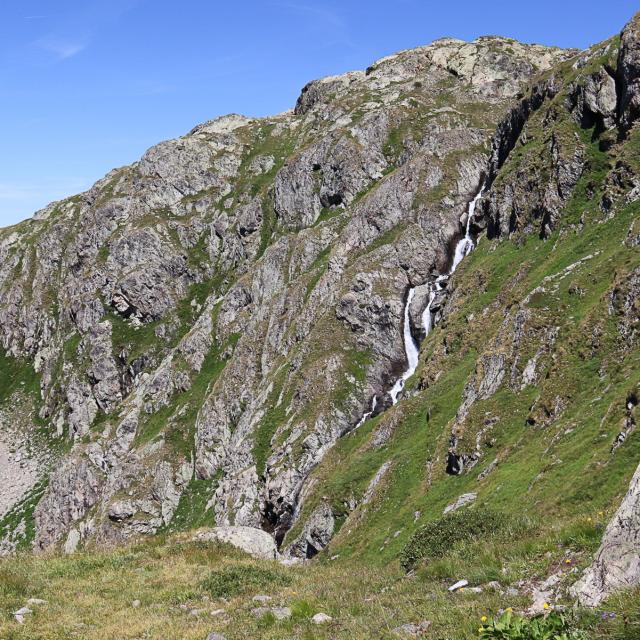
(463, 248)
(410, 348)
(427, 316)
(368, 414)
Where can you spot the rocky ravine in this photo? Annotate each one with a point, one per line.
(222, 312)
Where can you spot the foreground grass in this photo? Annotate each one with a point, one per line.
(92, 595)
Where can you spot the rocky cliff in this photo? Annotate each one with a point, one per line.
(194, 339)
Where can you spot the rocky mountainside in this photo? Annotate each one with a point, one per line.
(213, 335)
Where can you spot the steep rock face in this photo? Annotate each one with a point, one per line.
(525, 199)
(629, 70)
(599, 88)
(316, 534)
(230, 306)
(595, 100)
(617, 562)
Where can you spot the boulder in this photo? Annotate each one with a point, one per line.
(261, 598)
(321, 618)
(461, 584)
(255, 542)
(21, 613)
(412, 630)
(279, 613)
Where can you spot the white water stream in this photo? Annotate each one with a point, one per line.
(463, 248)
(367, 415)
(410, 349)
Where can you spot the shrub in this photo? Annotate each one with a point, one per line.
(236, 580)
(302, 610)
(509, 627)
(436, 538)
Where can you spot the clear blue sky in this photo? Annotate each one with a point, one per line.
(88, 85)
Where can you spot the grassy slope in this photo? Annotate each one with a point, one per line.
(525, 452)
(90, 595)
(559, 467)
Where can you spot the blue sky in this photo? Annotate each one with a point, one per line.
(88, 85)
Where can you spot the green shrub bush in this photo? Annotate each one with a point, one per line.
(236, 580)
(436, 538)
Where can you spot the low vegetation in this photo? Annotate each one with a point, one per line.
(436, 538)
(169, 587)
(554, 626)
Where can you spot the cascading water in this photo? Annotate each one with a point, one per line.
(410, 349)
(368, 414)
(463, 248)
(427, 316)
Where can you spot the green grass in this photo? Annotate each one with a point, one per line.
(268, 226)
(90, 595)
(273, 418)
(20, 517)
(238, 580)
(570, 452)
(317, 269)
(17, 376)
(192, 512)
(176, 422)
(326, 214)
(508, 626)
(137, 341)
(438, 537)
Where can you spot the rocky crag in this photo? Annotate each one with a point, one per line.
(195, 339)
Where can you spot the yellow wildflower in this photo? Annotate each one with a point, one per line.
(545, 605)
(568, 561)
(483, 619)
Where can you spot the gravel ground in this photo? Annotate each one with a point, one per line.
(18, 472)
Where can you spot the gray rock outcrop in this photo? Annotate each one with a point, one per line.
(616, 564)
(255, 542)
(316, 534)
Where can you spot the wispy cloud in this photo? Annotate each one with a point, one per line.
(62, 48)
(71, 33)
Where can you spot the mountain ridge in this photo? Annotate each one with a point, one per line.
(210, 324)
